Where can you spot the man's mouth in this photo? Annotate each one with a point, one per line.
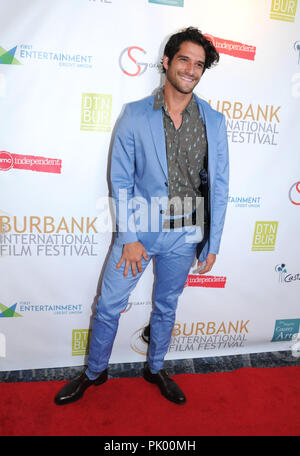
(187, 78)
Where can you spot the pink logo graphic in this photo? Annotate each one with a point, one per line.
(29, 162)
(233, 48)
(141, 66)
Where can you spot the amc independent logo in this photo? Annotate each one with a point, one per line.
(10, 161)
(80, 342)
(283, 10)
(96, 112)
(8, 57)
(195, 280)
(264, 236)
(233, 48)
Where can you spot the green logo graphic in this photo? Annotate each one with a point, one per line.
(264, 236)
(96, 112)
(80, 342)
(283, 10)
(7, 57)
(285, 329)
(9, 311)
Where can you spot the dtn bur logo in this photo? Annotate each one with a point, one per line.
(96, 112)
(80, 342)
(283, 10)
(264, 236)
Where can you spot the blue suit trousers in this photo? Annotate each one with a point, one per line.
(173, 253)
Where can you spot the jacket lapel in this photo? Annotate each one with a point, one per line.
(158, 135)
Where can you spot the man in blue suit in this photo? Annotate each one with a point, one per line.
(167, 149)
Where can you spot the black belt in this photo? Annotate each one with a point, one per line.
(182, 221)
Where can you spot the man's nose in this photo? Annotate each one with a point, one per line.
(190, 68)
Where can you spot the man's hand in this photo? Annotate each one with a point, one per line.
(210, 260)
(132, 255)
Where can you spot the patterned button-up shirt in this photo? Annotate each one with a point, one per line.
(186, 149)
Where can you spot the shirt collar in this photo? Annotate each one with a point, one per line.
(159, 102)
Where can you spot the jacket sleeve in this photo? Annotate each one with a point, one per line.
(122, 177)
(219, 196)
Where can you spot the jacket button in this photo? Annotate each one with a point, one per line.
(166, 184)
(162, 211)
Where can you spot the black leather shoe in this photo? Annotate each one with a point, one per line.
(167, 386)
(74, 390)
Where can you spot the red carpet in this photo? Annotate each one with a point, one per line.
(248, 401)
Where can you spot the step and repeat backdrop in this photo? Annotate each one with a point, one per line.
(67, 67)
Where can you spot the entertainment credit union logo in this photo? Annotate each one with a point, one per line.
(245, 201)
(96, 110)
(26, 52)
(233, 48)
(264, 236)
(29, 163)
(294, 194)
(168, 2)
(283, 10)
(8, 312)
(80, 342)
(8, 57)
(285, 329)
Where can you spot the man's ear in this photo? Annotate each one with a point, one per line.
(165, 62)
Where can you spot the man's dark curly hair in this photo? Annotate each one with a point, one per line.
(195, 36)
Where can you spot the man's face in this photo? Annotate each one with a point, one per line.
(186, 68)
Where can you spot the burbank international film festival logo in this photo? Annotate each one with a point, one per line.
(283, 10)
(198, 335)
(96, 112)
(33, 235)
(249, 123)
(264, 237)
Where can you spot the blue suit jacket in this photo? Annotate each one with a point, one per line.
(139, 173)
